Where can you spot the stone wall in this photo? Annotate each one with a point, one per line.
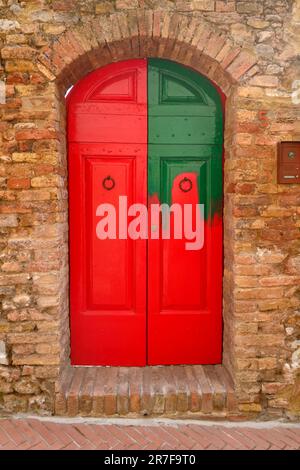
(251, 51)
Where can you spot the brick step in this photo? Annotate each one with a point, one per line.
(146, 391)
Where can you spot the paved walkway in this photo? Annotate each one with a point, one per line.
(39, 434)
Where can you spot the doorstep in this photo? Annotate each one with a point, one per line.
(169, 391)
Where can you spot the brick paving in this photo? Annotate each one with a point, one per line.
(43, 434)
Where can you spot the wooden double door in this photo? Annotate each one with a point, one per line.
(144, 132)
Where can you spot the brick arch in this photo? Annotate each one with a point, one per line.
(152, 33)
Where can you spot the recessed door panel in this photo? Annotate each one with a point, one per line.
(108, 260)
(193, 262)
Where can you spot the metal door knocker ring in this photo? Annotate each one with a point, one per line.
(185, 185)
(108, 183)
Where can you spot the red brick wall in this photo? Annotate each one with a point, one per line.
(249, 49)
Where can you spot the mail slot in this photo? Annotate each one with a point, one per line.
(288, 162)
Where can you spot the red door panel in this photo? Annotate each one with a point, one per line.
(107, 276)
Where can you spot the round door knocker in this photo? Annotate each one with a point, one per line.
(185, 185)
(108, 183)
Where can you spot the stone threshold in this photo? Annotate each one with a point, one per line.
(169, 391)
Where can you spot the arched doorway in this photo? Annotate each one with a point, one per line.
(150, 130)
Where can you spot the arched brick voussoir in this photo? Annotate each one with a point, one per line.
(192, 41)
